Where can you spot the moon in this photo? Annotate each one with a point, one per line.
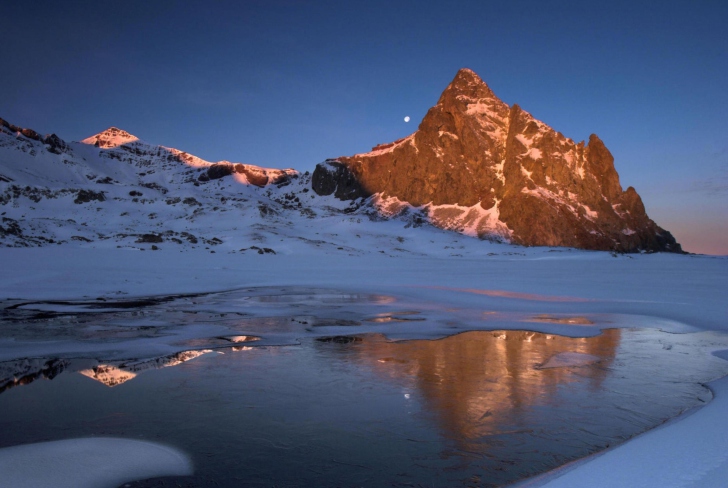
(406, 119)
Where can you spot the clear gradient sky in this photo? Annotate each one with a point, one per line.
(289, 83)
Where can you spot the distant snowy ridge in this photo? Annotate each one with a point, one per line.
(115, 190)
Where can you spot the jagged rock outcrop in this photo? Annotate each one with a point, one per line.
(85, 196)
(334, 177)
(55, 143)
(484, 168)
(255, 175)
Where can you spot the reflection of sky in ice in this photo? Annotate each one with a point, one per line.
(485, 406)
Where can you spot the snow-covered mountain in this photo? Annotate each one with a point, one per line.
(115, 190)
(481, 167)
(475, 166)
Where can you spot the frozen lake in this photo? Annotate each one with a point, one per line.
(293, 386)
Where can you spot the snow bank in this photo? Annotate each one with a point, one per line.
(89, 463)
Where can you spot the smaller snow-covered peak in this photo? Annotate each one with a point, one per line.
(110, 138)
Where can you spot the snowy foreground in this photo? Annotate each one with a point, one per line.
(84, 463)
(672, 292)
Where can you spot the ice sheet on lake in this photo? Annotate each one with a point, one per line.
(156, 326)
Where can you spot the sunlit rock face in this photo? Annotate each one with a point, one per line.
(481, 167)
(54, 144)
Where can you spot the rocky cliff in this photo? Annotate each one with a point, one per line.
(481, 167)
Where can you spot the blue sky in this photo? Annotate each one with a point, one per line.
(289, 83)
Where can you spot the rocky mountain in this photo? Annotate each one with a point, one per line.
(475, 166)
(478, 166)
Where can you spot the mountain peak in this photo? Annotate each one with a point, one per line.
(467, 75)
(110, 138)
(477, 165)
(468, 85)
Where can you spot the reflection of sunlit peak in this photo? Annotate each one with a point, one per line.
(241, 338)
(174, 360)
(113, 375)
(108, 375)
(481, 384)
(110, 138)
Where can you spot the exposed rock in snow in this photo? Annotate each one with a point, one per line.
(332, 177)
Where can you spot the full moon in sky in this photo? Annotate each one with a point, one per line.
(406, 119)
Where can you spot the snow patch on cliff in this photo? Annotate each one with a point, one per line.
(474, 221)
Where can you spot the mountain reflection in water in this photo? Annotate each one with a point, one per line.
(484, 384)
(25, 371)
